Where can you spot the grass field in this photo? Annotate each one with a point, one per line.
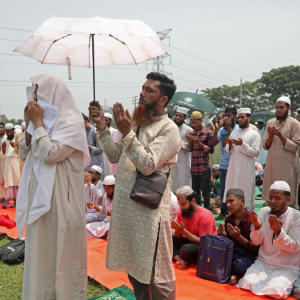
(11, 281)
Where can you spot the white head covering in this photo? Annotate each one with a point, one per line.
(182, 110)
(9, 126)
(108, 115)
(183, 191)
(68, 130)
(18, 127)
(244, 110)
(284, 99)
(97, 168)
(280, 185)
(217, 167)
(109, 180)
(23, 125)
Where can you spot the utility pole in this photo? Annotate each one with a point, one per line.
(241, 93)
(134, 101)
(158, 62)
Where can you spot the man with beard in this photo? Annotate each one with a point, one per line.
(140, 239)
(282, 140)
(223, 129)
(243, 146)
(193, 221)
(108, 119)
(11, 165)
(181, 172)
(93, 192)
(276, 230)
(100, 227)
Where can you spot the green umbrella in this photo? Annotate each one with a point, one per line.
(194, 102)
(262, 115)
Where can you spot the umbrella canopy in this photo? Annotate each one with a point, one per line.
(263, 115)
(194, 102)
(91, 42)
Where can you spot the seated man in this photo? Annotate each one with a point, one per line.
(193, 221)
(237, 229)
(100, 229)
(93, 192)
(276, 230)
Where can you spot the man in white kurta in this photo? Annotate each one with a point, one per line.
(244, 145)
(2, 137)
(181, 172)
(276, 230)
(263, 153)
(282, 140)
(140, 238)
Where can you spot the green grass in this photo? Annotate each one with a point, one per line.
(11, 278)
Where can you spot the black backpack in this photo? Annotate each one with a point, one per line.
(13, 252)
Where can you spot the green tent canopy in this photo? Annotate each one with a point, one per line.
(263, 115)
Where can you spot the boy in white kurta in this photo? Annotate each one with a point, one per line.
(276, 229)
(244, 145)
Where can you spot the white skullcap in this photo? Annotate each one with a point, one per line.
(23, 125)
(109, 180)
(280, 185)
(184, 191)
(108, 115)
(97, 168)
(244, 110)
(217, 167)
(9, 126)
(182, 110)
(18, 127)
(284, 99)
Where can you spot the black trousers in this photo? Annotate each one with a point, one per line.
(201, 183)
(185, 249)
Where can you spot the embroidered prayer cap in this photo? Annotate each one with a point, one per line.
(109, 180)
(184, 191)
(182, 110)
(244, 110)
(236, 192)
(280, 185)
(284, 99)
(9, 126)
(108, 115)
(97, 168)
(216, 167)
(196, 115)
(23, 125)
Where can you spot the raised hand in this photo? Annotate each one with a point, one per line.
(96, 114)
(122, 118)
(255, 220)
(222, 230)
(91, 205)
(35, 113)
(237, 142)
(275, 224)
(88, 178)
(234, 232)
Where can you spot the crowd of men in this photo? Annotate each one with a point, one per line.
(209, 168)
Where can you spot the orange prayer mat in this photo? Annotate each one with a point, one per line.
(188, 285)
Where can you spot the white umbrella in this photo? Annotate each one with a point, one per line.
(91, 42)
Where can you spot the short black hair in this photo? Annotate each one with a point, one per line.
(191, 196)
(1, 123)
(298, 111)
(85, 118)
(167, 85)
(286, 193)
(231, 110)
(248, 115)
(220, 113)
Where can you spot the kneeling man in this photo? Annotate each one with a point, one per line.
(276, 229)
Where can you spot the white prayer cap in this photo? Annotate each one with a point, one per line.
(9, 126)
(184, 191)
(284, 99)
(18, 127)
(109, 180)
(182, 110)
(23, 125)
(244, 110)
(97, 168)
(280, 185)
(108, 115)
(216, 167)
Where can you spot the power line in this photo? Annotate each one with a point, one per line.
(22, 20)
(18, 29)
(191, 81)
(10, 40)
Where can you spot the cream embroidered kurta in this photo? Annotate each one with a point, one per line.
(278, 263)
(241, 169)
(282, 162)
(55, 253)
(134, 228)
(181, 172)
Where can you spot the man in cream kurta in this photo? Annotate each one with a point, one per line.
(140, 239)
(181, 172)
(243, 144)
(276, 230)
(282, 139)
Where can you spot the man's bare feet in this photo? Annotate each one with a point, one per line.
(182, 264)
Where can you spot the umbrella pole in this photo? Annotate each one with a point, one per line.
(93, 58)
